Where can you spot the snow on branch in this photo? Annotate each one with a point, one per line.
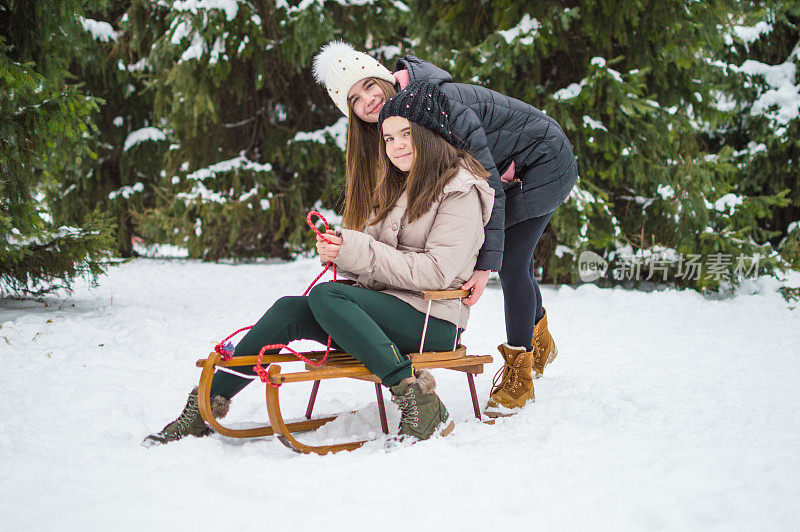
(783, 92)
(101, 31)
(142, 135)
(570, 91)
(230, 7)
(527, 26)
(126, 191)
(750, 34)
(226, 166)
(338, 131)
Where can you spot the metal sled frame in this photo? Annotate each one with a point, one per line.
(338, 365)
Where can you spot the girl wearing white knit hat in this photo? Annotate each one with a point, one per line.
(532, 170)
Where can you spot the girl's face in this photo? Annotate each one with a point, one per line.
(397, 140)
(366, 99)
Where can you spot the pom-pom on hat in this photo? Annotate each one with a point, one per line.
(422, 103)
(339, 66)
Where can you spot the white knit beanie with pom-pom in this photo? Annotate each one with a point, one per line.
(339, 66)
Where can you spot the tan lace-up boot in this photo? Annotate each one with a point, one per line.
(516, 385)
(544, 346)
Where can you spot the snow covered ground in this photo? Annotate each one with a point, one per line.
(664, 411)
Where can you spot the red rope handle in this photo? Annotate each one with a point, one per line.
(323, 237)
(225, 351)
(262, 371)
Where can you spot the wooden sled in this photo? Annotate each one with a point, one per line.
(338, 365)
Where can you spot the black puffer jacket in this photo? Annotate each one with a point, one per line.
(497, 130)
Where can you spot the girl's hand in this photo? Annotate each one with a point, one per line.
(329, 252)
(477, 283)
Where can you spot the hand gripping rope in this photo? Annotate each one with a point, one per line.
(225, 348)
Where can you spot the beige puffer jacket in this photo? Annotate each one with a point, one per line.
(437, 251)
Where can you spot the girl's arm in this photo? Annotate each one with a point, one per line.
(467, 126)
(455, 236)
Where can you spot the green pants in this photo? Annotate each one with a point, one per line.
(376, 328)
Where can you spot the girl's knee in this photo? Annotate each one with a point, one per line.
(288, 305)
(514, 273)
(322, 294)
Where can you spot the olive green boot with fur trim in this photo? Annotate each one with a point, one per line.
(190, 422)
(422, 413)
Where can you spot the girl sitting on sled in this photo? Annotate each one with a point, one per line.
(531, 169)
(425, 228)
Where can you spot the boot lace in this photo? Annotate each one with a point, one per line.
(507, 377)
(190, 412)
(409, 412)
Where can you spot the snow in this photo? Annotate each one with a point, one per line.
(401, 6)
(590, 122)
(781, 100)
(156, 250)
(43, 237)
(526, 26)
(783, 92)
(570, 91)
(664, 410)
(126, 191)
(139, 66)
(101, 31)
(199, 190)
(666, 192)
(195, 49)
(305, 4)
(750, 34)
(599, 62)
(725, 204)
(231, 7)
(142, 135)
(226, 166)
(386, 52)
(581, 196)
(561, 250)
(217, 50)
(180, 30)
(337, 130)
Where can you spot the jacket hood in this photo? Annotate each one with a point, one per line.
(462, 182)
(419, 69)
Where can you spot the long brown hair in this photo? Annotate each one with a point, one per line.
(436, 162)
(362, 147)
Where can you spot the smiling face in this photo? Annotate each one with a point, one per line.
(366, 98)
(396, 132)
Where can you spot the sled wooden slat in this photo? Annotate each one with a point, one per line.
(280, 357)
(341, 360)
(356, 369)
(436, 295)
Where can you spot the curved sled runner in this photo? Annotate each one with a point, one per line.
(337, 365)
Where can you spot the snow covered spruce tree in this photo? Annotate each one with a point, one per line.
(637, 92)
(129, 149)
(44, 127)
(254, 141)
(763, 50)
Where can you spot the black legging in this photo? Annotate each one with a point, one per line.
(521, 296)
